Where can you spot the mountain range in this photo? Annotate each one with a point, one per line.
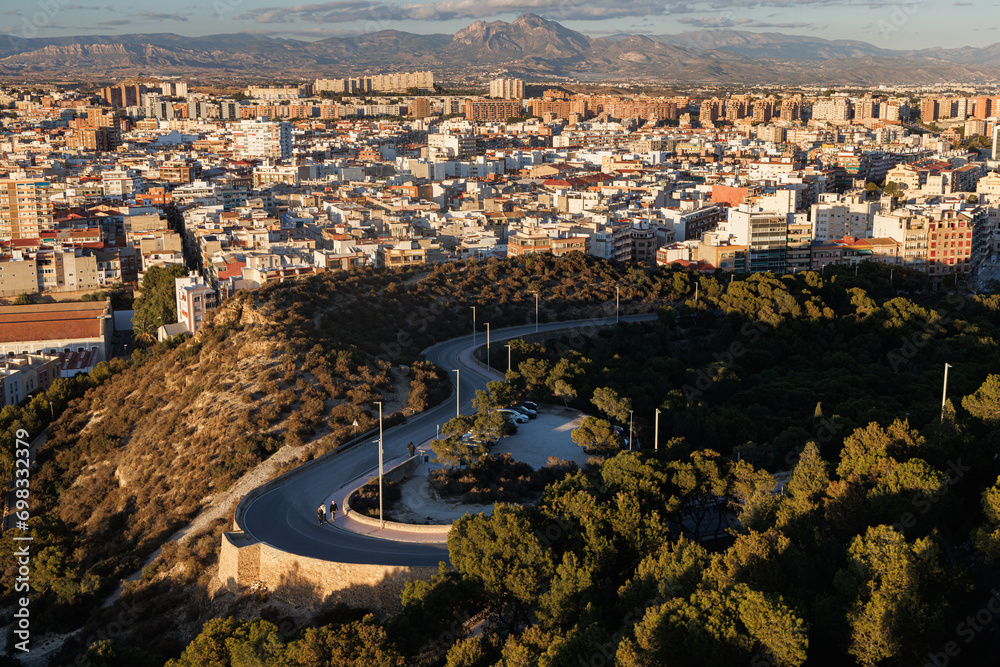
(529, 47)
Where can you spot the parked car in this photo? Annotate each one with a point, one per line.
(525, 410)
(620, 432)
(471, 440)
(530, 404)
(514, 415)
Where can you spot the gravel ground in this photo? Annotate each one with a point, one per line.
(546, 436)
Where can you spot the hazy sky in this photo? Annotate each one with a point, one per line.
(904, 24)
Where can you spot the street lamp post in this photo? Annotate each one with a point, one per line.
(656, 435)
(473, 329)
(458, 401)
(536, 311)
(944, 393)
(381, 521)
(508, 357)
(617, 299)
(488, 345)
(630, 430)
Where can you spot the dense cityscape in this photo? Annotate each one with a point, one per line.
(580, 370)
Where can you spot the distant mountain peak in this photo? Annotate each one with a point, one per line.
(530, 17)
(530, 45)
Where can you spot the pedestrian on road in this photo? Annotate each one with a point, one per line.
(411, 449)
(321, 514)
(333, 510)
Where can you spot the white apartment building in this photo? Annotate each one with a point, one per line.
(121, 183)
(832, 108)
(263, 138)
(832, 218)
(507, 89)
(195, 298)
(450, 145)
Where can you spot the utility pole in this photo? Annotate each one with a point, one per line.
(944, 393)
(487, 344)
(458, 401)
(617, 299)
(473, 329)
(656, 436)
(508, 357)
(381, 521)
(696, 291)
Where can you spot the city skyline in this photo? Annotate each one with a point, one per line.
(913, 25)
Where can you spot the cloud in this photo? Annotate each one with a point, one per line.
(156, 16)
(315, 33)
(728, 22)
(348, 11)
(961, 4)
(385, 11)
(116, 22)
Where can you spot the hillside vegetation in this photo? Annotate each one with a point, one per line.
(885, 538)
(882, 548)
(140, 455)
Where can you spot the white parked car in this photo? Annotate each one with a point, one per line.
(515, 416)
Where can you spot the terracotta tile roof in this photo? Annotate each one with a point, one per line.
(57, 321)
(78, 361)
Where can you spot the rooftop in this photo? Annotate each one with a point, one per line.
(53, 321)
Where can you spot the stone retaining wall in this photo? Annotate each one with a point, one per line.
(400, 473)
(311, 582)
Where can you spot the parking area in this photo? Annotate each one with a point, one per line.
(547, 435)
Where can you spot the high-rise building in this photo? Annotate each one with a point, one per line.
(197, 109)
(763, 110)
(832, 108)
(229, 110)
(996, 142)
(171, 89)
(485, 111)
(93, 139)
(929, 110)
(983, 108)
(711, 110)
(397, 81)
(124, 95)
(867, 108)
(25, 209)
(263, 138)
(736, 107)
(507, 89)
(420, 107)
(765, 234)
(791, 110)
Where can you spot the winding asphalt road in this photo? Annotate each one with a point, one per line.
(285, 516)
